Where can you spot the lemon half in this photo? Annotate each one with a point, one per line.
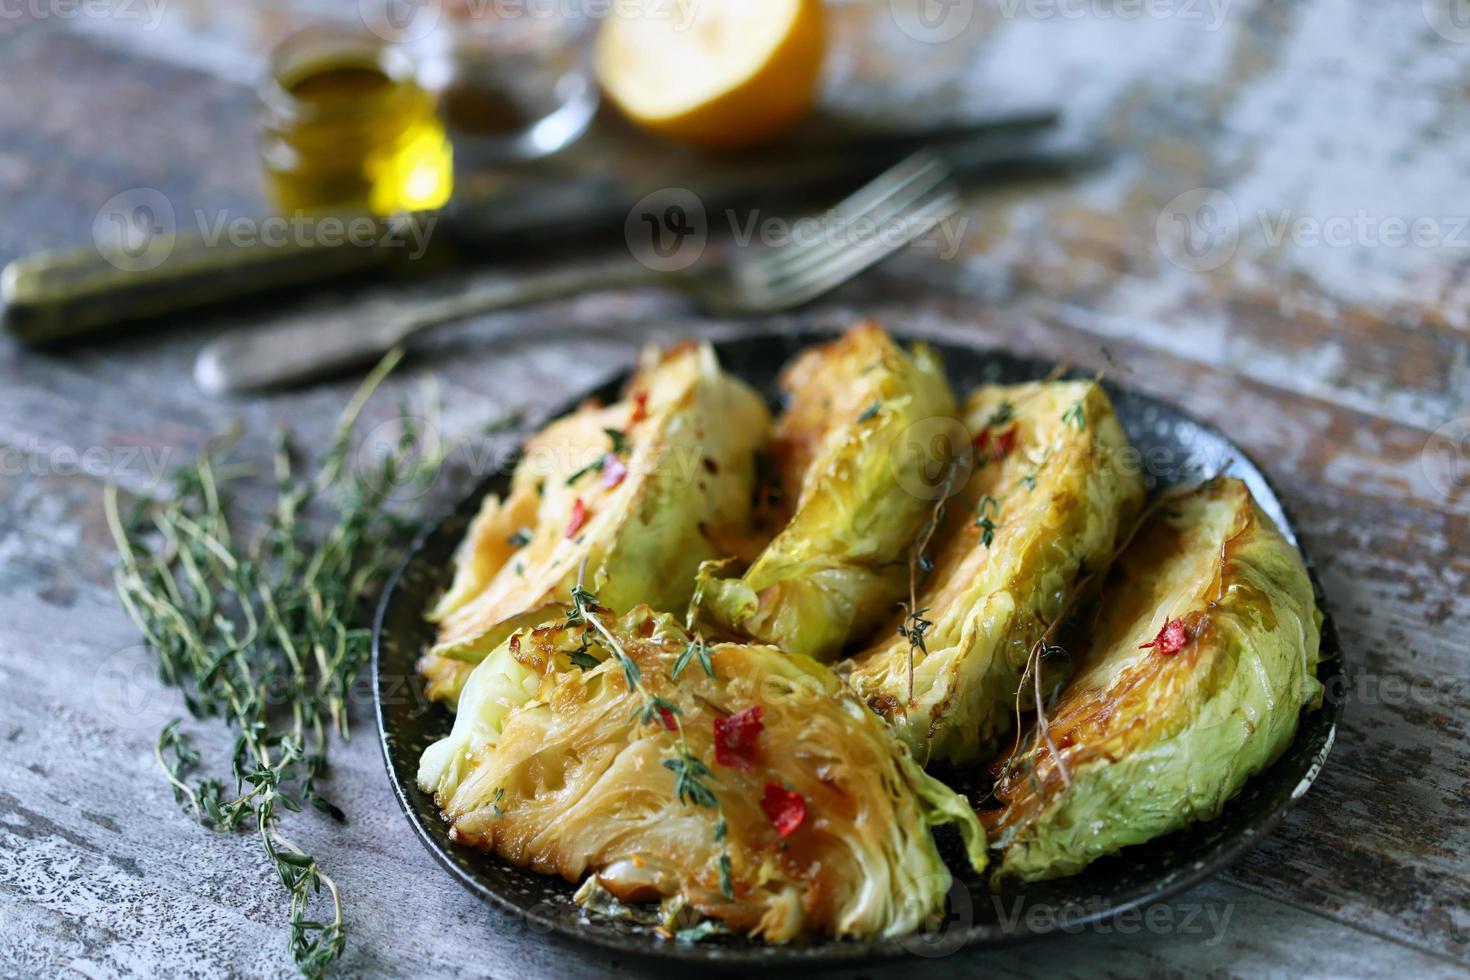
(717, 73)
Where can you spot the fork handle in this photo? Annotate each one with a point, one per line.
(311, 345)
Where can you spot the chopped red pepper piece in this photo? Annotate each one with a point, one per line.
(640, 408)
(785, 808)
(668, 719)
(998, 445)
(1171, 639)
(579, 517)
(1005, 442)
(613, 471)
(735, 738)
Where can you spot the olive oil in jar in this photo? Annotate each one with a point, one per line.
(346, 128)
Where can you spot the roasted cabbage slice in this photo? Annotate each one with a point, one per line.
(1052, 489)
(631, 489)
(855, 496)
(766, 797)
(1203, 653)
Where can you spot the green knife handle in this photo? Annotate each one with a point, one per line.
(55, 296)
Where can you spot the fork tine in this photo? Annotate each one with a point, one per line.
(811, 259)
(794, 260)
(878, 200)
(911, 168)
(849, 261)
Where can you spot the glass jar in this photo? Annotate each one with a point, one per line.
(346, 127)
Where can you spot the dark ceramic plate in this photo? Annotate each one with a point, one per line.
(1174, 448)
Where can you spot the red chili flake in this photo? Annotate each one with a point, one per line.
(668, 719)
(613, 471)
(1171, 639)
(785, 808)
(998, 445)
(1004, 443)
(640, 408)
(735, 738)
(579, 517)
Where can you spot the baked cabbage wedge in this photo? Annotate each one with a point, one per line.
(630, 489)
(754, 790)
(1052, 489)
(1203, 653)
(837, 566)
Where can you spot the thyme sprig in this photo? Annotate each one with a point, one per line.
(914, 625)
(691, 774)
(988, 510)
(267, 635)
(619, 441)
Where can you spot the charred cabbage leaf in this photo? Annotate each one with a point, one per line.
(1052, 487)
(765, 797)
(635, 490)
(854, 495)
(1203, 654)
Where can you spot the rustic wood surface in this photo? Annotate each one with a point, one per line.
(1333, 357)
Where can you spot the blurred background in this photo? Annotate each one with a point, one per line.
(1271, 193)
(1251, 208)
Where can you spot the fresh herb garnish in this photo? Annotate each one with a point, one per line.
(914, 626)
(619, 441)
(695, 649)
(584, 660)
(520, 538)
(869, 412)
(1076, 416)
(690, 772)
(267, 634)
(988, 509)
(689, 775)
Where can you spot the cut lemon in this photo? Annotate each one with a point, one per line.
(719, 73)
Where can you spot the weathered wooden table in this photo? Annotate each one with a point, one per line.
(1280, 243)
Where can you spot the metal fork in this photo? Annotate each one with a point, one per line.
(885, 215)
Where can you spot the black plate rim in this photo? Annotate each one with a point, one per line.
(851, 952)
